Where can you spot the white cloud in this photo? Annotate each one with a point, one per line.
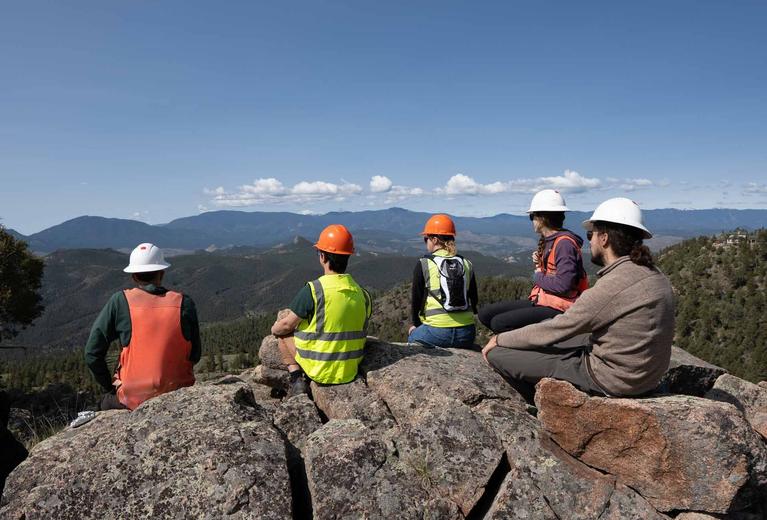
(630, 184)
(272, 191)
(569, 182)
(400, 193)
(461, 184)
(380, 184)
(754, 188)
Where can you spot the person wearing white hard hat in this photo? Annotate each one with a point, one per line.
(628, 316)
(158, 332)
(559, 277)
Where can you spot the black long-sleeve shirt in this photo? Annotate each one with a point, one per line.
(418, 294)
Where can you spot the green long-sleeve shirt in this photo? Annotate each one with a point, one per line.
(113, 322)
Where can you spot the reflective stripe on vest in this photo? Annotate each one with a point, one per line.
(330, 347)
(560, 302)
(156, 360)
(433, 314)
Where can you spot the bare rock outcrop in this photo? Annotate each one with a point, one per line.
(751, 399)
(689, 375)
(679, 452)
(208, 451)
(421, 433)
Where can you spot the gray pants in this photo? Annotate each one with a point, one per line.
(524, 368)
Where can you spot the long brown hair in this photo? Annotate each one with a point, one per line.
(627, 241)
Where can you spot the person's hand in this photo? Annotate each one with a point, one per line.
(411, 329)
(117, 383)
(491, 344)
(536, 257)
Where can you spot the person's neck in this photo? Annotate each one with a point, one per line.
(327, 270)
(610, 257)
(546, 232)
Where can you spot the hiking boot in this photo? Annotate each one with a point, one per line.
(297, 386)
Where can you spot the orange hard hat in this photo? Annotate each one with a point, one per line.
(336, 239)
(439, 224)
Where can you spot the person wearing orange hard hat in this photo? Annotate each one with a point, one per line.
(443, 297)
(322, 333)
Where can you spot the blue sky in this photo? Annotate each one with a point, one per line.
(155, 110)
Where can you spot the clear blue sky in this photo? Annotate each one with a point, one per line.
(155, 110)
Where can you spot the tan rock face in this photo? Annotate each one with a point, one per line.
(679, 452)
(751, 399)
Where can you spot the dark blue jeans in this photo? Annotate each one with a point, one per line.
(443, 336)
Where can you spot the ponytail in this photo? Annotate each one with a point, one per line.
(640, 255)
(447, 243)
(541, 248)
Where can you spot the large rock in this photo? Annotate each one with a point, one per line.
(689, 375)
(679, 452)
(364, 479)
(208, 451)
(747, 397)
(421, 433)
(269, 354)
(545, 482)
(353, 401)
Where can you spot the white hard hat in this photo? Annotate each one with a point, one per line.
(547, 200)
(619, 210)
(146, 258)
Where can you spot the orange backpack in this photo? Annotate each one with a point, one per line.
(157, 359)
(560, 302)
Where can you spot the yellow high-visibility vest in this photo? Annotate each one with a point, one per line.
(330, 346)
(433, 313)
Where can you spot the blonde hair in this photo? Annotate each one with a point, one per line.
(447, 243)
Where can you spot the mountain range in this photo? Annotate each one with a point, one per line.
(225, 285)
(393, 230)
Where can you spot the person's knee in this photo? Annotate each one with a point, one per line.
(485, 316)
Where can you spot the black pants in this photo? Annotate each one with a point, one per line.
(110, 402)
(506, 316)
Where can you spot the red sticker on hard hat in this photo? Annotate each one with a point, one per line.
(143, 248)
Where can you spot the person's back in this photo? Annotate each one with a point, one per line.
(330, 345)
(633, 332)
(322, 334)
(157, 359)
(157, 330)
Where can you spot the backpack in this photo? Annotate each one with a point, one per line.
(453, 285)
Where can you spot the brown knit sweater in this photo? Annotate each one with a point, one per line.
(630, 315)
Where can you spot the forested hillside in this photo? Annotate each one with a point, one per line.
(721, 301)
(225, 286)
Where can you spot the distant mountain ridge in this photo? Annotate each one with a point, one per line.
(225, 284)
(393, 230)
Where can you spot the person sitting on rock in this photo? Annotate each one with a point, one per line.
(629, 314)
(157, 329)
(322, 334)
(443, 295)
(559, 275)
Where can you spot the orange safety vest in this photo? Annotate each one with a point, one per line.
(560, 302)
(156, 360)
